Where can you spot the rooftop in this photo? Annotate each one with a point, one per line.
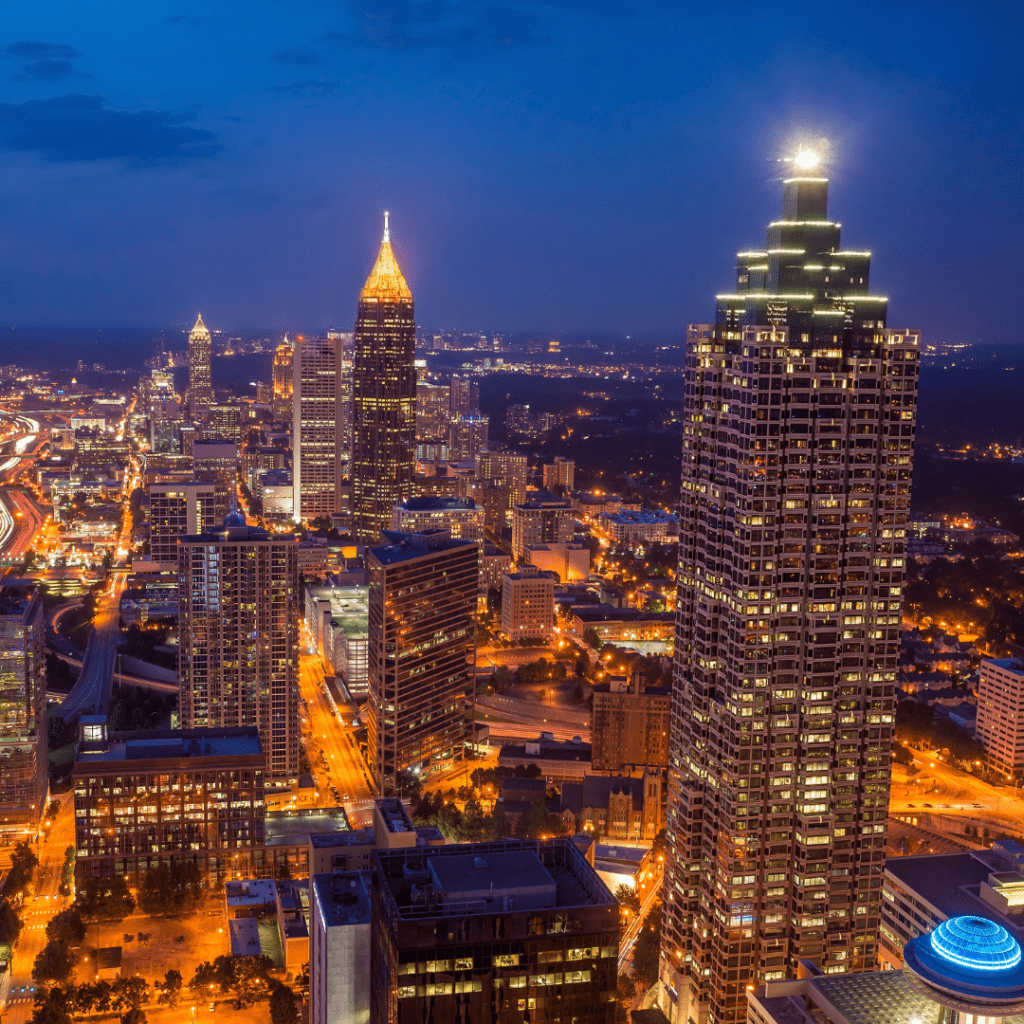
(517, 873)
(288, 828)
(174, 744)
(625, 517)
(435, 503)
(404, 547)
(341, 898)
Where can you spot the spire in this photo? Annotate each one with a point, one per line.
(385, 283)
(200, 328)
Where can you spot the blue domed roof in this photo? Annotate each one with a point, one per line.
(234, 519)
(976, 944)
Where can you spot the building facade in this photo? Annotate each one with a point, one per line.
(630, 808)
(238, 656)
(177, 510)
(1001, 713)
(630, 725)
(316, 427)
(284, 382)
(422, 636)
(383, 397)
(23, 751)
(215, 461)
(512, 931)
(798, 440)
(200, 375)
(148, 798)
(528, 604)
(543, 518)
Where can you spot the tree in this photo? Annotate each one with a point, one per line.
(134, 1016)
(105, 899)
(627, 897)
(23, 866)
(171, 892)
(591, 638)
(204, 978)
(170, 988)
(54, 963)
(10, 925)
(52, 1007)
(129, 993)
(282, 1005)
(303, 981)
(66, 928)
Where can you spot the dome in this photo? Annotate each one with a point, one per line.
(976, 944)
(234, 519)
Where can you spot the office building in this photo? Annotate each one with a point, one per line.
(1000, 725)
(528, 604)
(177, 510)
(464, 397)
(648, 527)
(462, 517)
(543, 518)
(340, 947)
(284, 383)
(238, 657)
(155, 797)
(422, 634)
(518, 419)
(511, 931)
(432, 415)
(798, 435)
(559, 474)
(316, 428)
(966, 971)
(629, 724)
(383, 397)
(224, 421)
(215, 461)
(23, 751)
(338, 621)
(200, 377)
(467, 436)
(501, 485)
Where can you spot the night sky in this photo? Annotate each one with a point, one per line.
(565, 166)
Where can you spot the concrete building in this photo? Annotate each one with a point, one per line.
(615, 806)
(338, 619)
(793, 524)
(569, 561)
(340, 947)
(557, 760)
(467, 436)
(528, 604)
(1000, 722)
(23, 749)
(542, 519)
(166, 797)
(650, 527)
(462, 517)
(215, 461)
(501, 484)
(423, 596)
(511, 931)
(177, 510)
(316, 427)
(630, 724)
(560, 473)
(238, 654)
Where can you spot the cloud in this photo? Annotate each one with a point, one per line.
(464, 26)
(318, 88)
(298, 56)
(76, 128)
(44, 62)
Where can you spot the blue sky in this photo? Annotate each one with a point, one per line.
(549, 166)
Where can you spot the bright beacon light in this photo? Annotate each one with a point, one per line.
(806, 159)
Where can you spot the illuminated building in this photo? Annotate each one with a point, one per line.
(383, 397)
(316, 437)
(463, 397)
(501, 484)
(432, 401)
(1001, 713)
(528, 604)
(543, 518)
(421, 638)
(168, 797)
(510, 931)
(629, 724)
(23, 758)
(798, 438)
(560, 473)
(200, 378)
(283, 384)
(177, 510)
(467, 436)
(215, 461)
(238, 612)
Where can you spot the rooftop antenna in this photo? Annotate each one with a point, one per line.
(387, 230)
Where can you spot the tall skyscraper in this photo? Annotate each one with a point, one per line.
(421, 640)
(200, 376)
(798, 438)
(283, 383)
(316, 434)
(215, 461)
(238, 613)
(23, 761)
(383, 397)
(177, 510)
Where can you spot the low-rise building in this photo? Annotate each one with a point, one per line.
(624, 627)
(557, 760)
(528, 604)
(570, 560)
(616, 806)
(630, 724)
(650, 527)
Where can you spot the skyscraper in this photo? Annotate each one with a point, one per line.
(798, 439)
(421, 639)
(383, 397)
(238, 612)
(283, 384)
(200, 377)
(23, 761)
(316, 426)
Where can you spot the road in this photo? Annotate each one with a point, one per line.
(629, 936)
(527, 719)
(20, 517)
(17, 988)
(329, 739)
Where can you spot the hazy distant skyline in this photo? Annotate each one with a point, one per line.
(552, 166)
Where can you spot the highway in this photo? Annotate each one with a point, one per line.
(329, 739)
(20, 516)
(526, 719)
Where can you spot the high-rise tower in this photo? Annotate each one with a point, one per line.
(316, 428)
(200, 378)
(797, 450)
(283, 384)
(383, 397)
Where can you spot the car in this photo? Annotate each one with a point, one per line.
(212, 1007)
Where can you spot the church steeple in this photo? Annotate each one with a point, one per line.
(385, 283)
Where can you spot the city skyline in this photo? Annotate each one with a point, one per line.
(594, 191)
